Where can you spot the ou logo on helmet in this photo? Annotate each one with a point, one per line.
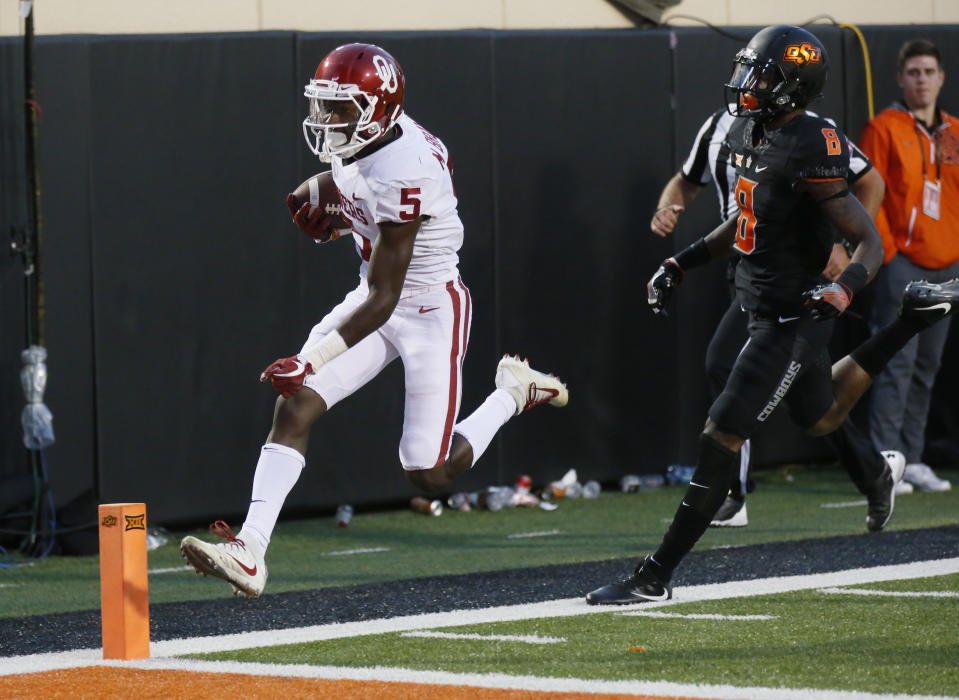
(386, 72)
(801, 54)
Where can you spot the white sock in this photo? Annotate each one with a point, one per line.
(744, 466)
(277, 470)
(482, 424)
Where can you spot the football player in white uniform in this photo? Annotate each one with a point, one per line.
(396, 191)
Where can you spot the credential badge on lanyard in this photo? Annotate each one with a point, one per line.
(930, 198)
(930, 190)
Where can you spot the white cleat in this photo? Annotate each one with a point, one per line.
(923, 478)
(882, 496)
(897, 463)
(237, 562)
(527, 386)
(903, 487)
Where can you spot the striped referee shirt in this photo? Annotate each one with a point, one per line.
(709, 159)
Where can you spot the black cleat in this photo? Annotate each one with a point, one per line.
(929, 302)
(882, 497)
(639, 587)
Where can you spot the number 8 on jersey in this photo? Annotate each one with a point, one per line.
(746, 224)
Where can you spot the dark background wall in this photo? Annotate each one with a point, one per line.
(173, 275)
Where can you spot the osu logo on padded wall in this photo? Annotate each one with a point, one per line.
(802, 53)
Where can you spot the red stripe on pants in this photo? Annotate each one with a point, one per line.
(454, 376)
(466, 321)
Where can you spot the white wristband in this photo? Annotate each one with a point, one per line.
(325, 350)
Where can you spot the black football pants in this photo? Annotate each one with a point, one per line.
(856, 452)
(781, 363)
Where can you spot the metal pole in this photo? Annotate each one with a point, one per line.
(33, 287)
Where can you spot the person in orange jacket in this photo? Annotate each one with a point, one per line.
(914, 144)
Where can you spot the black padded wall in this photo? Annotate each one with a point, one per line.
(195, 284)
(174, 275)
(579, 161)
(65, 138)
(12, 213)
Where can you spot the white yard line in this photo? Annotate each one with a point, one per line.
(162, 653)
(526, 638)
(521, 535)
(530, 683)
(170, 570)
(366, 550)
(895, 594)
(844, 504)
(697, 616)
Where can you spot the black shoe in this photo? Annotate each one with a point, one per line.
(929, 302)
(732, 513)
(882, 497)
(639, 587)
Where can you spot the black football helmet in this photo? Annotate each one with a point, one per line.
(782, 68)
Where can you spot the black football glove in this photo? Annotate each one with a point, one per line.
(661, 284)
(827, 301)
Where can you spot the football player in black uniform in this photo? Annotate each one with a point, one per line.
(791, 181)
(710, 160)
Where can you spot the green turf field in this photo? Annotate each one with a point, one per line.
(760, 636)
(308, 554)
(804, 639)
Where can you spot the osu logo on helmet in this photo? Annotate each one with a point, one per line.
(801, 54)
(792, 62)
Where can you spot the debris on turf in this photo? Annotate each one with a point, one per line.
(425, 506)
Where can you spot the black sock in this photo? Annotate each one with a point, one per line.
(736, 489)
(706, 493)
(857, 454)
(874, 354)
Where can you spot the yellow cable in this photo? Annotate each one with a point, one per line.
(865, 58)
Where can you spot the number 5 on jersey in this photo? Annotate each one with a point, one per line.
(409, 196)
(746, 223)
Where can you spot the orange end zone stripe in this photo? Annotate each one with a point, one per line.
(110, 682)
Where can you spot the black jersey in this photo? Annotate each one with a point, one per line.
(782, 237)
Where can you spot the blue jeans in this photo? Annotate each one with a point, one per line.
(901, 393)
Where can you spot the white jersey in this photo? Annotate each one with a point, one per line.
(709, 159)
(408, 177)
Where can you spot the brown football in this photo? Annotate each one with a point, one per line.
(323, 195)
